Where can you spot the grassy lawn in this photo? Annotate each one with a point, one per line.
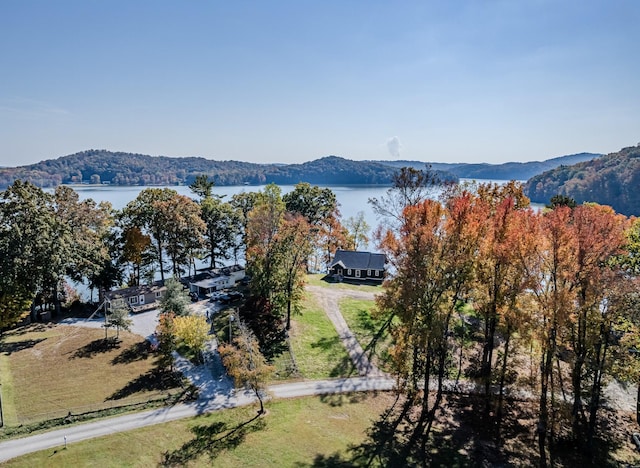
(48, 371)
(292, 433)
(316, 345)
(357, 314)
(316, 280)
(318, 352)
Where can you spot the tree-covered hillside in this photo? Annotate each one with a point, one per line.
(117, 168)
(610, 180)
(505, 171)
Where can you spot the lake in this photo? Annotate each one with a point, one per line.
(352, 199)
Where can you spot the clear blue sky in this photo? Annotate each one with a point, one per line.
(292, 81)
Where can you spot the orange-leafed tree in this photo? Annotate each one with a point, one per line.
(433, 254)
(500, 271)
(599, 236)
(246, 364)
(552, 272)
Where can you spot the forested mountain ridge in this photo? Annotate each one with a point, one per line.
(505, 171)
(118, 168)
(611, 180)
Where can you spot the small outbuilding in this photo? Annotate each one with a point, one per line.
(359, 266)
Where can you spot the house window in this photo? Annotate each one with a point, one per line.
(349, 272)
(357, 273)
(158, 294)
(368, 273)
(377, 273)
(133, 300)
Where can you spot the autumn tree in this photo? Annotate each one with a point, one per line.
(143, 213)
(599, 234)
(551, 272)
(136, 251)
(183, 228)
(331, 237)
(262, 226)
(193, 332)
(243, 203)
(292, 249)
(501, 276)
(246, 364)
(319, 207)
(434, 253)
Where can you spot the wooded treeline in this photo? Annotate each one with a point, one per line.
(45, 238)
(485, 285)
(610, 180)
(117, 168)
(503, 171)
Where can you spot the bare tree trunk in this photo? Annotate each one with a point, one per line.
(503, 373)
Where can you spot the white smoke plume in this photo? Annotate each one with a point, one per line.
(394, 146)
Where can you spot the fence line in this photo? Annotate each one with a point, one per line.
(96, 407)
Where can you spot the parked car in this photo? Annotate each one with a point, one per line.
(235, 295)
(214, 296)
(225, 298)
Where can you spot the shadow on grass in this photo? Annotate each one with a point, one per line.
(327, 344)
(339, 399)
(17, 346)
(137, 352)
(96, 347)
(30, 328)
(465, 436)
(211, 440)
(344, 368)
(153, 380)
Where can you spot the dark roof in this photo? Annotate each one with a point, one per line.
(134, 291)
(359, 260)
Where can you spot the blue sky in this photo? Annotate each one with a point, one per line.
(280, 81)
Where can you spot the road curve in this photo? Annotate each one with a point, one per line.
(230, 399)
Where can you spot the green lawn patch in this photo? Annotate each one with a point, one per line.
(293, 433)
(49, 371)
(316, 346)
(357, 314)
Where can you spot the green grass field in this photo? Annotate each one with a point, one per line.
(316, 345)
(293, 433)
(48, 371)
(357, 314)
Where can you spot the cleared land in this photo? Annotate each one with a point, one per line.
(48, 371)
(316, 345)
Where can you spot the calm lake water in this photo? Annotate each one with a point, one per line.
(352, 199)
